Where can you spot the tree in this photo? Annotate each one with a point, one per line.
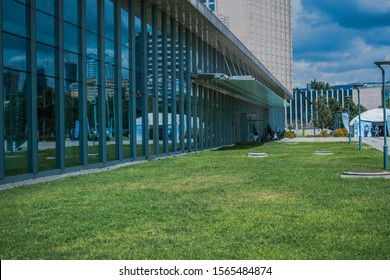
(322, 113)
(317, 85)
(387, 104)
(353, 108)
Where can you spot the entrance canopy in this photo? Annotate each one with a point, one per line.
(243, 87)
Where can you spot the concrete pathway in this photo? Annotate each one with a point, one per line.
(376, 143)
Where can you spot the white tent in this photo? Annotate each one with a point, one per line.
(374, 115)
(369, 119)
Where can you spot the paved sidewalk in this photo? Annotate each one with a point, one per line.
(376, 143)
(318, 139)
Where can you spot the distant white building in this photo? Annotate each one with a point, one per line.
(300, 112)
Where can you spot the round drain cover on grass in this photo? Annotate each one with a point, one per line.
(323, 153)
(366, 174)
(257, 155)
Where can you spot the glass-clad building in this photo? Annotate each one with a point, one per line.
(91, 83)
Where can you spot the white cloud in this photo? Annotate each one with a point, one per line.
(377, 6)
(328, 52)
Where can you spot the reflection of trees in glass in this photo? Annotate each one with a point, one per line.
(15, 121)
(71, 113)
(125, 108)
(46, 114)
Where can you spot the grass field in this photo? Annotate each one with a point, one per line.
(209, 205)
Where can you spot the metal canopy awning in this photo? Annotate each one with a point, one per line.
(197, 18)
(245, 88)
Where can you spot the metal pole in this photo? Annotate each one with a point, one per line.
(385, 148)
(349, 126)
(360, 124)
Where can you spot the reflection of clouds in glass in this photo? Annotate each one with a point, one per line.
(14, 20)
(18, 62)
(125, 27)
(16, 59)
(46, 59)
(137, 25)
(91, 18)
(92, 43)
(71, 37)
(109, 19)
(46, 5)
(45, 28)
(70, 11)
(110, 48)
(125, 60)
(14, 52)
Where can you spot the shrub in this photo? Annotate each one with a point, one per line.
(324, 133)
(289, 134)
(340, 132)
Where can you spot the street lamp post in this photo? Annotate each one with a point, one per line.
(385, 148)
(349, 119)
(357, 87)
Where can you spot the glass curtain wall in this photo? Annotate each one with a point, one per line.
(71, 82)
(161, 79)
(151, 97)
(16, 88)
(126, 78)
(111, 89)
(139, 76)
(46, 63)
(93, 81)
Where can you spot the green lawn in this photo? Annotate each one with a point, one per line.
(210, 205)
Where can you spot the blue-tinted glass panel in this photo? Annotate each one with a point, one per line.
(125, 25)
(125, 57)
(137, 22)
(14, 17)
(92, 111)
(15, 121)
(45, 28)
(92, 18)
(45, 60)
(71, 33)
(71, 62)
(124, 89)
(46, 6)
(92, 45)
(72, 125)
(92, 68)
(71, 11)
(46, 123)
(14, 53)
(110, 123)
(110, 52)
(110, 74)
(109, 19)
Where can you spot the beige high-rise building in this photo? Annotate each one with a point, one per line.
(264, 26)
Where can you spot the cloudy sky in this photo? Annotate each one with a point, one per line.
(337, 41)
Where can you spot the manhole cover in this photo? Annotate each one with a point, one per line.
(323, 153)
(257, 155)
(366, 174)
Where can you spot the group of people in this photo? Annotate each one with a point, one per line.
(374, 131)
(266, 138)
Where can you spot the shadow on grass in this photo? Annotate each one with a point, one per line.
(242, 146)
